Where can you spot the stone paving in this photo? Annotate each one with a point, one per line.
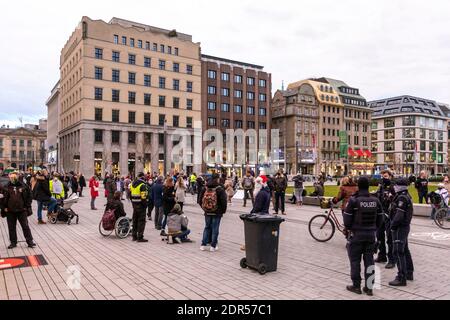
(112, 268)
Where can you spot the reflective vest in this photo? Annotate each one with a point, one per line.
(137, 195)
(193, 178)
(56, 195)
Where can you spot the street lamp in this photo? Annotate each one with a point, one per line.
(165, 147)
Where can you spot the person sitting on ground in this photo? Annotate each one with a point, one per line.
(346, 190)
(177, 224)
(116, 204)
(318, 190)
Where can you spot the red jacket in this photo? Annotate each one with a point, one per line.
(93, 185)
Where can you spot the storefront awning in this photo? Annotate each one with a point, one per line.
(367, 153)
(351, 153)
(359, 153)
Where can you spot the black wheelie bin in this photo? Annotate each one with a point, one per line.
(262, 232)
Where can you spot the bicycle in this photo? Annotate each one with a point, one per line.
(442, 214)
(323, 226)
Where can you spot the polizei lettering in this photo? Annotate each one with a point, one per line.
(191, 311)
(371, 204)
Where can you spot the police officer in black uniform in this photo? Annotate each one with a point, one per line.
(139, 193)
(401, 216)
(384, 194)
(362, 217)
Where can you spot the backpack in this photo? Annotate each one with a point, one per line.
(209, 201)
(109, 220)
(248, 183)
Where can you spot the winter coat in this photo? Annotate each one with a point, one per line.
(157, 194)
(345, 192)
(17, 197)
(280, 183)
(41, 191)
(176, 221)
(168, 199)
(82, 181)
(117, 206)
(262, 201)
(222, 200)
(180, 194)
(94, 185)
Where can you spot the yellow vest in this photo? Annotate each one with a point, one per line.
(137, 195)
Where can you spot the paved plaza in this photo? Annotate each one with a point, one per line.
(111, 268)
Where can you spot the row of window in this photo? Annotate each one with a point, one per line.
(115, 77)
(356, 127)
(115, 117)
(147, 45)
(30, 155)
(410, 133)
(21, 143)
(355, 102)
(115, 97)
(331, 120)
(238, 124)
(412, 120)
(225, 92)
(225, 107)
(335, 144)
(162, 64)
(225, 76)
(328, 98)
(410, 145)
(410, 157)
(356, 114)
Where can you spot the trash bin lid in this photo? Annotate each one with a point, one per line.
(261, 217)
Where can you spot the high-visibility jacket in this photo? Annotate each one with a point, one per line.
(56, 195)
(193, 178)
(138, 195)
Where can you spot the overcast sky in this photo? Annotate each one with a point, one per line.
(384, 47)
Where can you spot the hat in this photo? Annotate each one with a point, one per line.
(141, 175)
(264, 179)
(176, 209)
(363, 183)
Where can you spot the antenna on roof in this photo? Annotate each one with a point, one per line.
(21, 121)
(282, 85)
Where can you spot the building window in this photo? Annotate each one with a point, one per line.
(176, 121)
(147, 45)
(409, 133)
(98, 114)
(131, 78)
(115, 136)
(225, 76)
(250, 95)
(169, 49)
(116, 39)
(189, 69)
(409, 121)
(238, 124)
(225, 107)
(115, 95)
(132, 42)
(147, 99)
(262, 83)
(251, 110)
(262, 112)
(98, 136)
(211, 90)
(163, 48)
(140, 44)
(162, 101)
(225, 92)
(176, 102)
(98, 73)
(189, 86)
(211, 106)
(212, 74)
(124, 41)
(98, 53)
(389, 134)
(389, 123)
(262, 97)
(161, 143)
(238, 94)
(176, 67)
(147, 80)
(262, 125)
(115, 116)
(250, 81)
(147, 62)
(188, 122)
(162, 119)
(147, 117)
(176, 85)
(162, 65)
(189, 104)
(131, 117)
(162, 82)
(29, 143)
(116, 56)
(176, 51)
(132, 59)
(131, 97)
(132, 137)
(238, 109)
(211, 121)
(409, 145)
(250, 124)
(98, 94)
(116, 76)
(225, 123)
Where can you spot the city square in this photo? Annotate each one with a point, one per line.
(112, 268)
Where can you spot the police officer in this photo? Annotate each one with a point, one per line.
(401, 216)
(384, 194)
(362, 216)
(139, 193)
(17, 207)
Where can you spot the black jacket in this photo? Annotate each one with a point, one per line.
(25, 200)
(363, 213)
(168, 199)
(422, 185)
(262, 201)
(402, 210)
(41, 191)
(222, 199)
(82, 181)
(117, 206)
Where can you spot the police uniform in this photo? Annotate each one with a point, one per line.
(362, 216)
(139, 195)
(401, 216)
(384, 234)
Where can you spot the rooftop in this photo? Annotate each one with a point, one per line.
(238, 63)
(406, 103)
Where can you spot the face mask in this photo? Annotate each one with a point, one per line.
(386, 181)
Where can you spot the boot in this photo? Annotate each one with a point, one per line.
(40, 221)
(381, 259)
(354, 289)
(142, 240)
(410, 277)
(163, 234)
(31, 244)
(368, 291)
(12, 246)
(398, 283)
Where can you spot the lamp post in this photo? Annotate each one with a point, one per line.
(165, 147)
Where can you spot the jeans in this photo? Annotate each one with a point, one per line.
(248, 194)
(183, 235)
(51, 207)
(159, 213)
(280, 197)
(423, 195)
(93, 202)
(212, 224)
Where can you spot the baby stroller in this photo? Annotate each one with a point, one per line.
(64, 212)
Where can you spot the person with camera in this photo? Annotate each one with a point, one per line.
(384, 236)
(16, 206)
(400, 222)
(362, 217)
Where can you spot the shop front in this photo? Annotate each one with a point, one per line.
(98, 164)
(132, 164)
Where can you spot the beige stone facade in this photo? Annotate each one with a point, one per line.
(53, 111)
(22, 148)
(120, 83)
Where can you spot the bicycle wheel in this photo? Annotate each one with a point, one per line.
(123, 227)
(442, 219)
(103, 232)
(321, 228)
